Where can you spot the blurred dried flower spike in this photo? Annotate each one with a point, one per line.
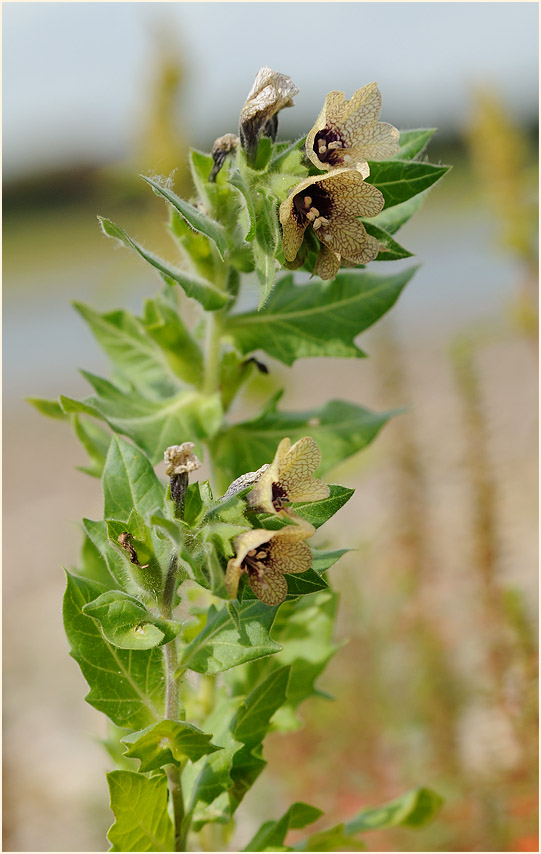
(224, 145)
(270, 93)
(331, 204)
(347, 133)
(180, 459)
(290, 478)
(265, 556)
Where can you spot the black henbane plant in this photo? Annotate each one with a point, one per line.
(201, 616)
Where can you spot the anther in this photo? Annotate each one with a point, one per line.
(307, 202)
(322, 146)
(336, 144)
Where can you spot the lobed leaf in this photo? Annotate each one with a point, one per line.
(413, 809)
(127, 685)
(168, 742)
(339, 428)
(221, 645)
(193, 216)
(139, 804)
(319, 318)
(127, 624)
(271, 835)
(210, 297)
(154, 425)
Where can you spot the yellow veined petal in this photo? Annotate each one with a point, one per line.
(292, 229)
(327, 264)
(271, 588)
(297, 469)
(363, 108)
(232, 576)
(310, 490)
(301, 530)
(368, 252)
(261, 495)
(249, 540)
(378, 141)
(289, 556)
(346, 236)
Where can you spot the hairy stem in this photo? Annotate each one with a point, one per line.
(172, 704)
(212, 352)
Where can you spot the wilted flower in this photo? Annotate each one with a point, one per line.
(265, 556)
(244, 481)
(270, 93)
(331, 204)
(180, 459)
(347, 133)
(223, 146)
(289, 478)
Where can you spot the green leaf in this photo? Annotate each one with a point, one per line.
(265, 244)
(392, 219)
(96, 441)
(132, 352)
(127, 624)
(412, 142)
(210, 297)
(220, 645)
(50, 408)
(154, 425)
(193, 216)
(139, 804)
(127, 685)
(413, 809)
(255, 713)
(389, 249)
(334, 839)
(181, 352)
(129, 482)
(323, 560)
(318, 512)
(271, 834)
(319, 318)
(339, 428)
(168, 742)
(399, 180)
(93, 566)
(298, 584)
(115, 562)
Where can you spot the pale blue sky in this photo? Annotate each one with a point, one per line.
(76, 75)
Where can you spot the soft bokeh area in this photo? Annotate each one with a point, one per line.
(434, 683)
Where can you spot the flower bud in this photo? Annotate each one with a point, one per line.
(223, 146)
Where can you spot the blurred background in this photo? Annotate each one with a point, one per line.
(437, 683)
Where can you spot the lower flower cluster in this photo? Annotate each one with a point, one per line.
(264, 556)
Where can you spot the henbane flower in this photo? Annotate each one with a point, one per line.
(347, 133)
(290, 478)
(331, 205)
(265, 556)
(270, 93)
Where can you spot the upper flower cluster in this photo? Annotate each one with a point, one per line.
(345, 135)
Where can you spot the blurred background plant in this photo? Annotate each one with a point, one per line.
(437, 681)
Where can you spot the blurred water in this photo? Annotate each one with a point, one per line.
(462, 279)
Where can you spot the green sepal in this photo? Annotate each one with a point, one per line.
(127, 624)
(139, 804)
(237, 181)
(168, 742)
